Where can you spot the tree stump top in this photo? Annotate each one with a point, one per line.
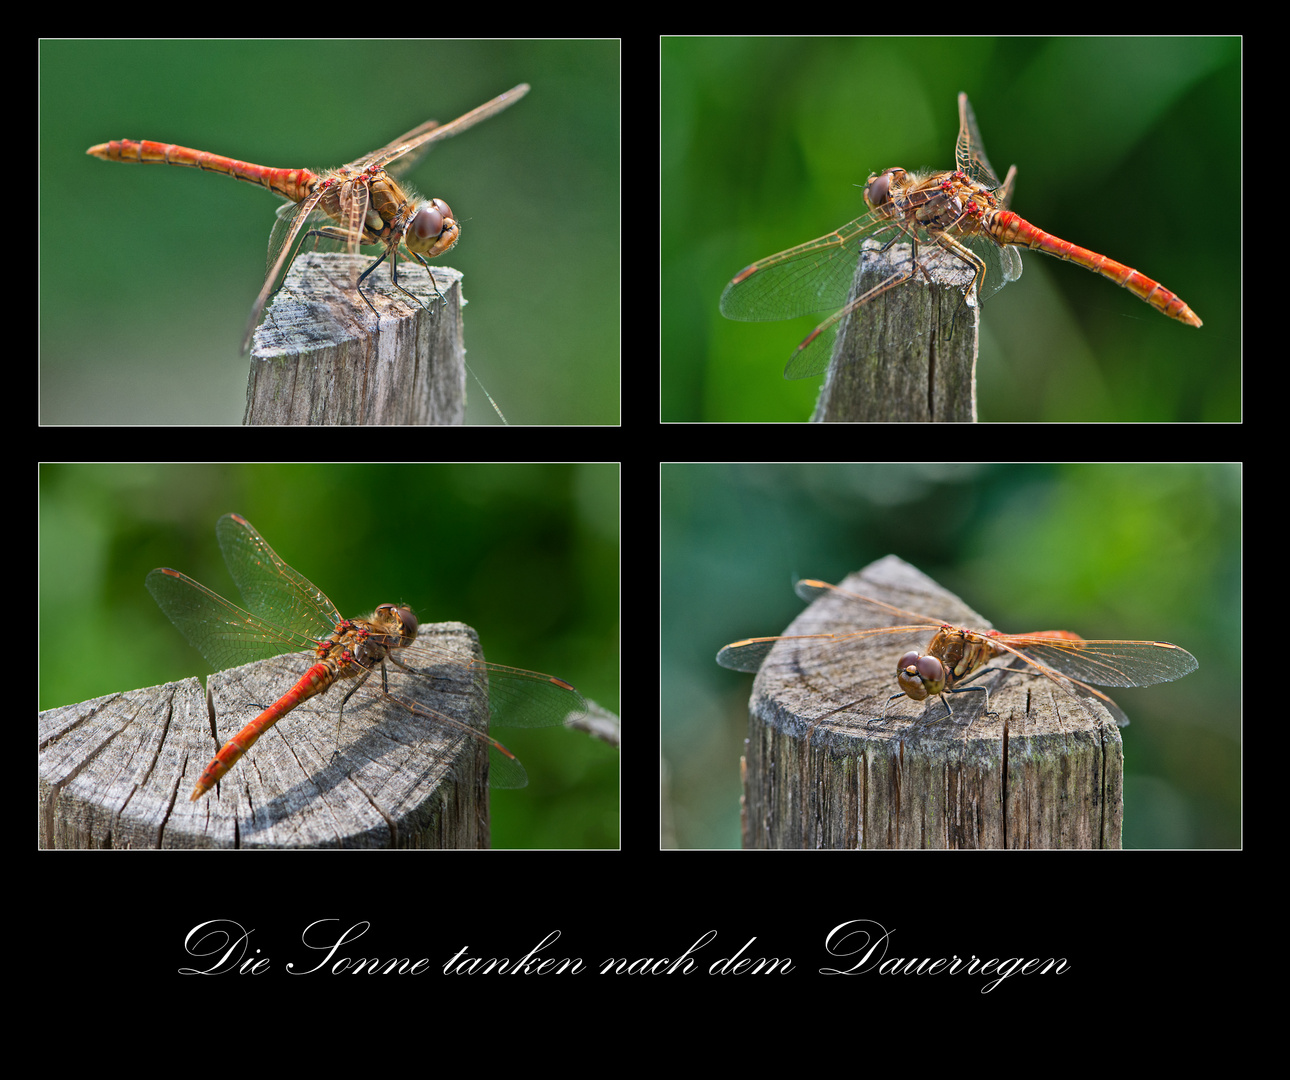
(1044, 772)
(321, 358)
(117, 771)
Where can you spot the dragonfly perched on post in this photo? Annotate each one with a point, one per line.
(961, 212)
(956, 655)
(289, 613)
(358, 203)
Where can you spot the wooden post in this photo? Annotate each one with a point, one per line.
(822, 771)
(319, 359)
(905, 357)
(117, 771)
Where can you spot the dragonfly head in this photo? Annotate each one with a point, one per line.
(878, 190)
(398, 620)
(432, 230)
(920, 677)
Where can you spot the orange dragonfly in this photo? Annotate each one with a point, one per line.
(292, 614)
(362, 199)
(956, 655)
(963, 212)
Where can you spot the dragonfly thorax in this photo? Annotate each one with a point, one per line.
(360, 645)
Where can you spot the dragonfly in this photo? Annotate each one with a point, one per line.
(289, 613)
(957, 655)
(363, 201)
(962, 213)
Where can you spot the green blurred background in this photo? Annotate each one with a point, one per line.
(1121, 145)
(142, 312)
(526, 554)
(1114, 551)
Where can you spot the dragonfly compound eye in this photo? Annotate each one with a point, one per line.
(409, 620)
(430, 218)
(920, 676)
(878, 189)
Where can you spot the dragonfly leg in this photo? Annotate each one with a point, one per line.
(340, 713)
(949, 713)
(394, 277)
(331, 233)
(433, 284)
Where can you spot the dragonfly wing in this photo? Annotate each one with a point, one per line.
(432, 132)
(354, 202)
(969, 150)
(417, 137)
(282, 242)
(222, 632)
(1069, 684)
(269, 586)
(410, 159)
(811, 589)
(746, 655)
(1111, 663)
(815, 276)
(810, 650)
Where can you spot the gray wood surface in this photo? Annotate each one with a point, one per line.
(904, 356)
(318, 357)
(118, 771)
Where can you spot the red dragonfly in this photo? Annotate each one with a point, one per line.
(293, 614)
(363, 200)
(963, 212)
(956, 655)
